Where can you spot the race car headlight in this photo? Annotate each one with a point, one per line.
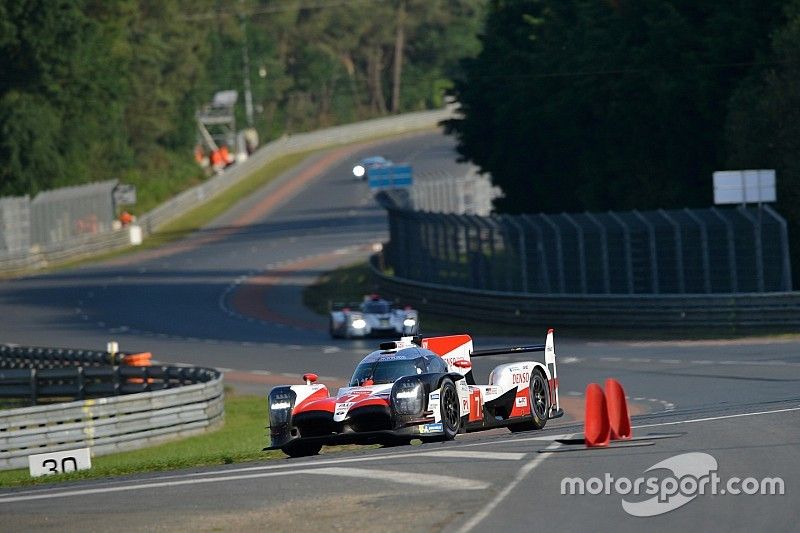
(281, 401)
(359, 323)
(358, 171)
(409, 322)
(407, 396)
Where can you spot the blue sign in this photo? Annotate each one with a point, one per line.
(390, 177)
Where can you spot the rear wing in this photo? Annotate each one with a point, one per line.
(456, 350)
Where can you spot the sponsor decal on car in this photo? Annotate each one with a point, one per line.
(521, 378)
(431, 428)
(522, 401)
(340, 411)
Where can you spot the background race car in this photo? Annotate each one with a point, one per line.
(416, 388)
(362, 167)
(372, 317)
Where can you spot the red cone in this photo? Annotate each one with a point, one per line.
(596, 431)
(618, 418)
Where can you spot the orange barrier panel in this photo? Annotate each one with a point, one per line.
(618, 418)
(596, 431)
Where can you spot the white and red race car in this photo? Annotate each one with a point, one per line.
(416, 388)
(374, 317)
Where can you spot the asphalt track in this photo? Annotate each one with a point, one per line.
(229, 297)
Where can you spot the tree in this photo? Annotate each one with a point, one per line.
(763, 127)
(606, 105)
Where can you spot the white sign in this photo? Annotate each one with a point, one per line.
(45, 464)
(125, 194)
(744, 186)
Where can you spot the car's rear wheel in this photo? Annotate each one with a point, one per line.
(301, 449)
(449, 410)
(539, 400)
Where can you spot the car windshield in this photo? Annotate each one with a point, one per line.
(380, 308)
(386, 371)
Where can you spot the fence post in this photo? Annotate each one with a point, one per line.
(34, 387)
(651, 232)
(786, 270)
(626, 235)
(678, 249)
(581, 250)
(759, 250)
(523, 251)
(603, 251)
(731, 250)
(546, 287)
(704, 244)
(441, 245)
(454, 247)
(559, 251)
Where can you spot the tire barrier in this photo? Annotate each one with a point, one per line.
(118, 408)
(726, 312)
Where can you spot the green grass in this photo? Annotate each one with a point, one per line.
(240, 439)
(345, 284)
(201, 215)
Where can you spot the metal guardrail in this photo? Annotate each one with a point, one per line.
(191, 198)
(765, 311)
(136, 406)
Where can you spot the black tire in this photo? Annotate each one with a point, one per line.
(450, 410)
(301, 449)
(539, 400)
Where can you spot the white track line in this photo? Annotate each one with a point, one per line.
(459, 454)
(709, 419)
(523, 472)
(407, 478)
(392, 476)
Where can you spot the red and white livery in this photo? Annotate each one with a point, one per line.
(417, 388)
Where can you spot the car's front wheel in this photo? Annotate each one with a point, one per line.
(449, 410)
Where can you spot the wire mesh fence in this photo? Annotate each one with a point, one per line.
(56, 216)
(689, 251)
(467, 192)
(62, 214)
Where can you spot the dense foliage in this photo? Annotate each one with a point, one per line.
(99, 89)
(632, 104)
(593, 104)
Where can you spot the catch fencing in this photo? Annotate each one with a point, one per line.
(56, 216)
(710, 313)
(118, 407)
(469, 193)
(689, 251)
